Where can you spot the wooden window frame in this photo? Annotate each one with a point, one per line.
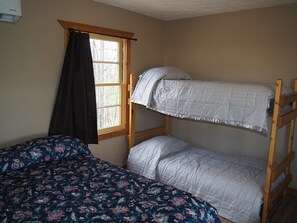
(126, 66)
(122, 81)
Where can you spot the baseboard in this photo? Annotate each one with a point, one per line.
(292, 192)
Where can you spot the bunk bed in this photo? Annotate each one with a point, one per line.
(57, 179)
(271, 180)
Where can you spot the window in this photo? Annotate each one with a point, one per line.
(110, 52)
(108, 62)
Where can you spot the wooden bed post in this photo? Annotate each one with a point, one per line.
(131, 136)
(278, 121)
(272, 146)
(292, 128)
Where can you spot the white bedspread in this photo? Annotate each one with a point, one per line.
(232, 184)
(236, 104)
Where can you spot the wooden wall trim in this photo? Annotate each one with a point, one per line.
(95, 29)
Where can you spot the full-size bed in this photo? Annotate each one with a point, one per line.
(243, 189)
(57, 179)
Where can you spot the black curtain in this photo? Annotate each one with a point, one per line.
(75, 112)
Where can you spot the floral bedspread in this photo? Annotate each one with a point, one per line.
(65, 183)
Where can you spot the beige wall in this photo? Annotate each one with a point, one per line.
(31, 56)
(254, 45)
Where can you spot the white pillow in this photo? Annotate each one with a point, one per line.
(169, 73)
(144, 157)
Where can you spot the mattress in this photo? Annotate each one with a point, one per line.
(56, 179)
(232, 184)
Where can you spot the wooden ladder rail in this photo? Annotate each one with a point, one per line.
(133, 135)
(278, 121)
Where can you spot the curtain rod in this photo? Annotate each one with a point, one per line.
(76, 30)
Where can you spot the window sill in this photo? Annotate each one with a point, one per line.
(110, 135)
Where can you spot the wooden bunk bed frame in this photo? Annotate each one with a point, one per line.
(278, 121)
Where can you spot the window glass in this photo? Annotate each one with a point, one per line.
(108, 117)
(103, 50)
(108, 96)
(107, 55)
(106, 73)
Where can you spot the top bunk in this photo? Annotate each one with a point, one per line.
(171, 91)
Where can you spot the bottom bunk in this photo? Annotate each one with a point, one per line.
(233, 184)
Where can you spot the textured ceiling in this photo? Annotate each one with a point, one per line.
(179, 9)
